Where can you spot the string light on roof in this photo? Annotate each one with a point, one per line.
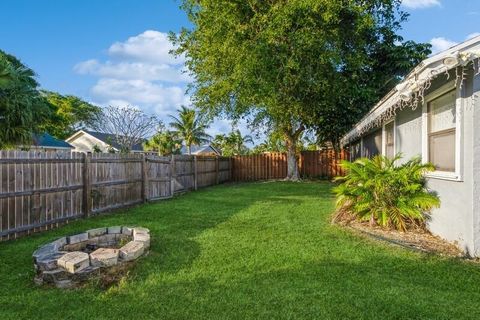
(411, 93)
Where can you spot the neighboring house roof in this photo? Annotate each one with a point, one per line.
(110, 139)
(45, 140)
(417, 81)
(200, 149)
(106, 138)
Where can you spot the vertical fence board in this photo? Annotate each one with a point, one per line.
(271, 166)
(41, 190)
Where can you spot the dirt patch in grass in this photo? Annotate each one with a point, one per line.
(418, 239)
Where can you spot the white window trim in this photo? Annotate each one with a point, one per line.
(384, 137)
(458, 174)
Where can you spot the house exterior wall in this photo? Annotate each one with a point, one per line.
(458, 218)
(475, 152)
(454, 219)
(86, 143)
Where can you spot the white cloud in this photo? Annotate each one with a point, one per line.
(420, 4)
(440, 44)
(151, 45)
(473, 35)
(132, 70)
(151, 97)
(140, 72)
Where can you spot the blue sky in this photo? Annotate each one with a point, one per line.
(115, 51)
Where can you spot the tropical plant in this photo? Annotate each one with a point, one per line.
(296, 65)
(379, 191)
(22, 108)
(164, 142)
(274, 142)
(232, 144)
(189, 127)
(70, 114)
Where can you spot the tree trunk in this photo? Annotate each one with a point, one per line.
(292, 161)
(189, 149)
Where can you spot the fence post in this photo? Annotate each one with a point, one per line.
(195, 173)
(217, 176)
(172, 175)
(230, 167)
(144, 178)
(87, 188)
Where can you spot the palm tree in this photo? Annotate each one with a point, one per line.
(189, 127)
(165, 143)
(237, 142)
(22, 108)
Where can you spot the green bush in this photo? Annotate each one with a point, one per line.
(390, 195)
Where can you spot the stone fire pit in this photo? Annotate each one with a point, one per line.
(71, 260)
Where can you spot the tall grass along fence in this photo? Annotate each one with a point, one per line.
(312, 164)
(40, 190)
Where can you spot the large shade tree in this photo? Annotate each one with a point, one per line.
(294, 65)
(70, 114)
(190, 127)
(22, 108)
(128, 125)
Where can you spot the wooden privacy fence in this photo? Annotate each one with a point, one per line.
(312, 164)
(40, 190)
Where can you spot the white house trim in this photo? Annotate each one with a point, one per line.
(384, 136)
(457, 175)
(421, 72)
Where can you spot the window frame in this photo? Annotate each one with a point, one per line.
(457, 174)
(384, 137)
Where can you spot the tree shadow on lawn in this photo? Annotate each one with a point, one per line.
(173, 225)
(188, 273)
(378, 287)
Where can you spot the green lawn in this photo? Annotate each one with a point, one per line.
(249, 251)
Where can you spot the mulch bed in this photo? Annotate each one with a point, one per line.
(418, 239)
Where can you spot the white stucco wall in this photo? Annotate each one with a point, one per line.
(475, 105)
(85, 143)
(456, 217)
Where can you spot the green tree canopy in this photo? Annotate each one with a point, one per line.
(165, 142)
(189, 127)
(22, 108)
(294, 65)
(232, 144)
(70, 114)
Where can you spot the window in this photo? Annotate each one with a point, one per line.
(355, 150)
(372, 144)
(442, 132)
(390, 140)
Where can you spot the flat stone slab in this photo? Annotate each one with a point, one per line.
(78, 238)
(143, 237)
(48, 262)
(132, 250)
(138, 230)
(71, 260)
(74, 261)
(104, 257)
(96, 232)
(116, 229)
(127, 231)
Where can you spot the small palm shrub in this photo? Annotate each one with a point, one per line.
(381, 192)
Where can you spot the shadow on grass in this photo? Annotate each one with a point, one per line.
(173, 224)
(257, 251)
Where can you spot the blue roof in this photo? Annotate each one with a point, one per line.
(45, 140)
